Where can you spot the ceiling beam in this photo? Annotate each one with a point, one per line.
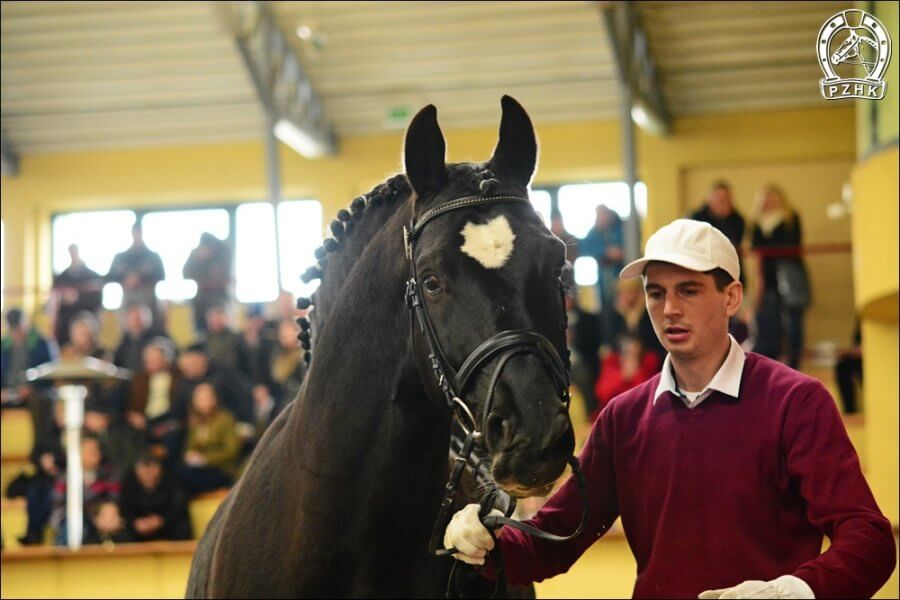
(636, 66)
(281, 82)
(9, 158)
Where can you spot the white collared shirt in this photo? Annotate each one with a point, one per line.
(726, 380)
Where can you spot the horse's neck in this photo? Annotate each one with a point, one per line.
(363, 416)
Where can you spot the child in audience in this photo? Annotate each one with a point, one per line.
(622, 369)
(108, 525)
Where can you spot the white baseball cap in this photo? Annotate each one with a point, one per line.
(694, 245)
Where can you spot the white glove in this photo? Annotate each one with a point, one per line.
(466, 533)
(786, 586)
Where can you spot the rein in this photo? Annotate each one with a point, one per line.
(453, 383)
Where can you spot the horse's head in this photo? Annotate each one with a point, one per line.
(486, 268)
(848, 49)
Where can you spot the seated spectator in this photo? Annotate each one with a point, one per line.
(153, 504)
(100, 485)
(84, 334)
(627, 366)
(232, 389)
(630, 317)
(221, 343)
(256, 347)
(49, 459)
(108, 527)
(21, 349)
(583, 337)
(84, 339)
(139, 329)
(119, 441)
(154, 406)
(849, 372)
(287, 366)
(213, 445)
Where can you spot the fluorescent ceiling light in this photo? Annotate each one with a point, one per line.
(298, 139)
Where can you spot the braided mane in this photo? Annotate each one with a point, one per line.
(352, 231)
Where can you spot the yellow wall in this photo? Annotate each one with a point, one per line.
(876, 247)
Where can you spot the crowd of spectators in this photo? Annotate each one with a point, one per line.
(183, 424)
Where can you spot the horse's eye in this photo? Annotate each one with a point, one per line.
(432, 285)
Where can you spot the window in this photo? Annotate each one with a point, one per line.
(540, 199)
(300, 233)
(578, 202)
(173, 234)
(100, 235)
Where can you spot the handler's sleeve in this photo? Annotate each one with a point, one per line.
(823, 463)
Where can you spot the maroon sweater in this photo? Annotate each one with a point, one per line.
(734, 489)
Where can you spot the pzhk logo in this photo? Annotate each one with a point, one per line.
(853, 37)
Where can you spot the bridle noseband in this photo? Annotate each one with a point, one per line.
(453, 383)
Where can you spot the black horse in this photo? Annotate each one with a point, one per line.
(342, 491)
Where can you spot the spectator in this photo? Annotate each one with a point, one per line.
(849, 372)
(21, 349)
(629, 365)
(213, 446)
(49, 459)
(154, 405)
(83, 343)
(559, 230)
(719, 211)
(119, 441)
(583, 337)
(222, 344)
(209, 264)
(138, 269)
(783, 291)
(232, 389)
(153, 504)
(256, 347)
(108, 525)
(84, 333)
(631, 318)
(77, 289)
(604, 243)
(139, 330)
(99, 485)
(287, 364)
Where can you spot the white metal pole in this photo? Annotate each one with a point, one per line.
(73, 396)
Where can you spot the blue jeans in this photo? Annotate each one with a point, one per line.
(778, 325)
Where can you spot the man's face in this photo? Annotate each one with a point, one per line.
(90, 454)
(148, 474)
(155, 360)
(689, 315)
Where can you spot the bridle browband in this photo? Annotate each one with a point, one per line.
(453, 383)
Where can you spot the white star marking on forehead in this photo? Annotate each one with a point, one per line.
(490, 244)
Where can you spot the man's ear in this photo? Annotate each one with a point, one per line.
(734, 296)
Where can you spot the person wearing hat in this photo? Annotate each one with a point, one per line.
(727, 468)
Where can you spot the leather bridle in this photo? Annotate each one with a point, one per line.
(453, 383)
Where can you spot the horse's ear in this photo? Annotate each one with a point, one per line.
(424, 153)
(515, 156)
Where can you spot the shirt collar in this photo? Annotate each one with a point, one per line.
(726, 380)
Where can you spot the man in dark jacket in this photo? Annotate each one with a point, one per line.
(210, 266)
(77, 289)
(138, 270)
